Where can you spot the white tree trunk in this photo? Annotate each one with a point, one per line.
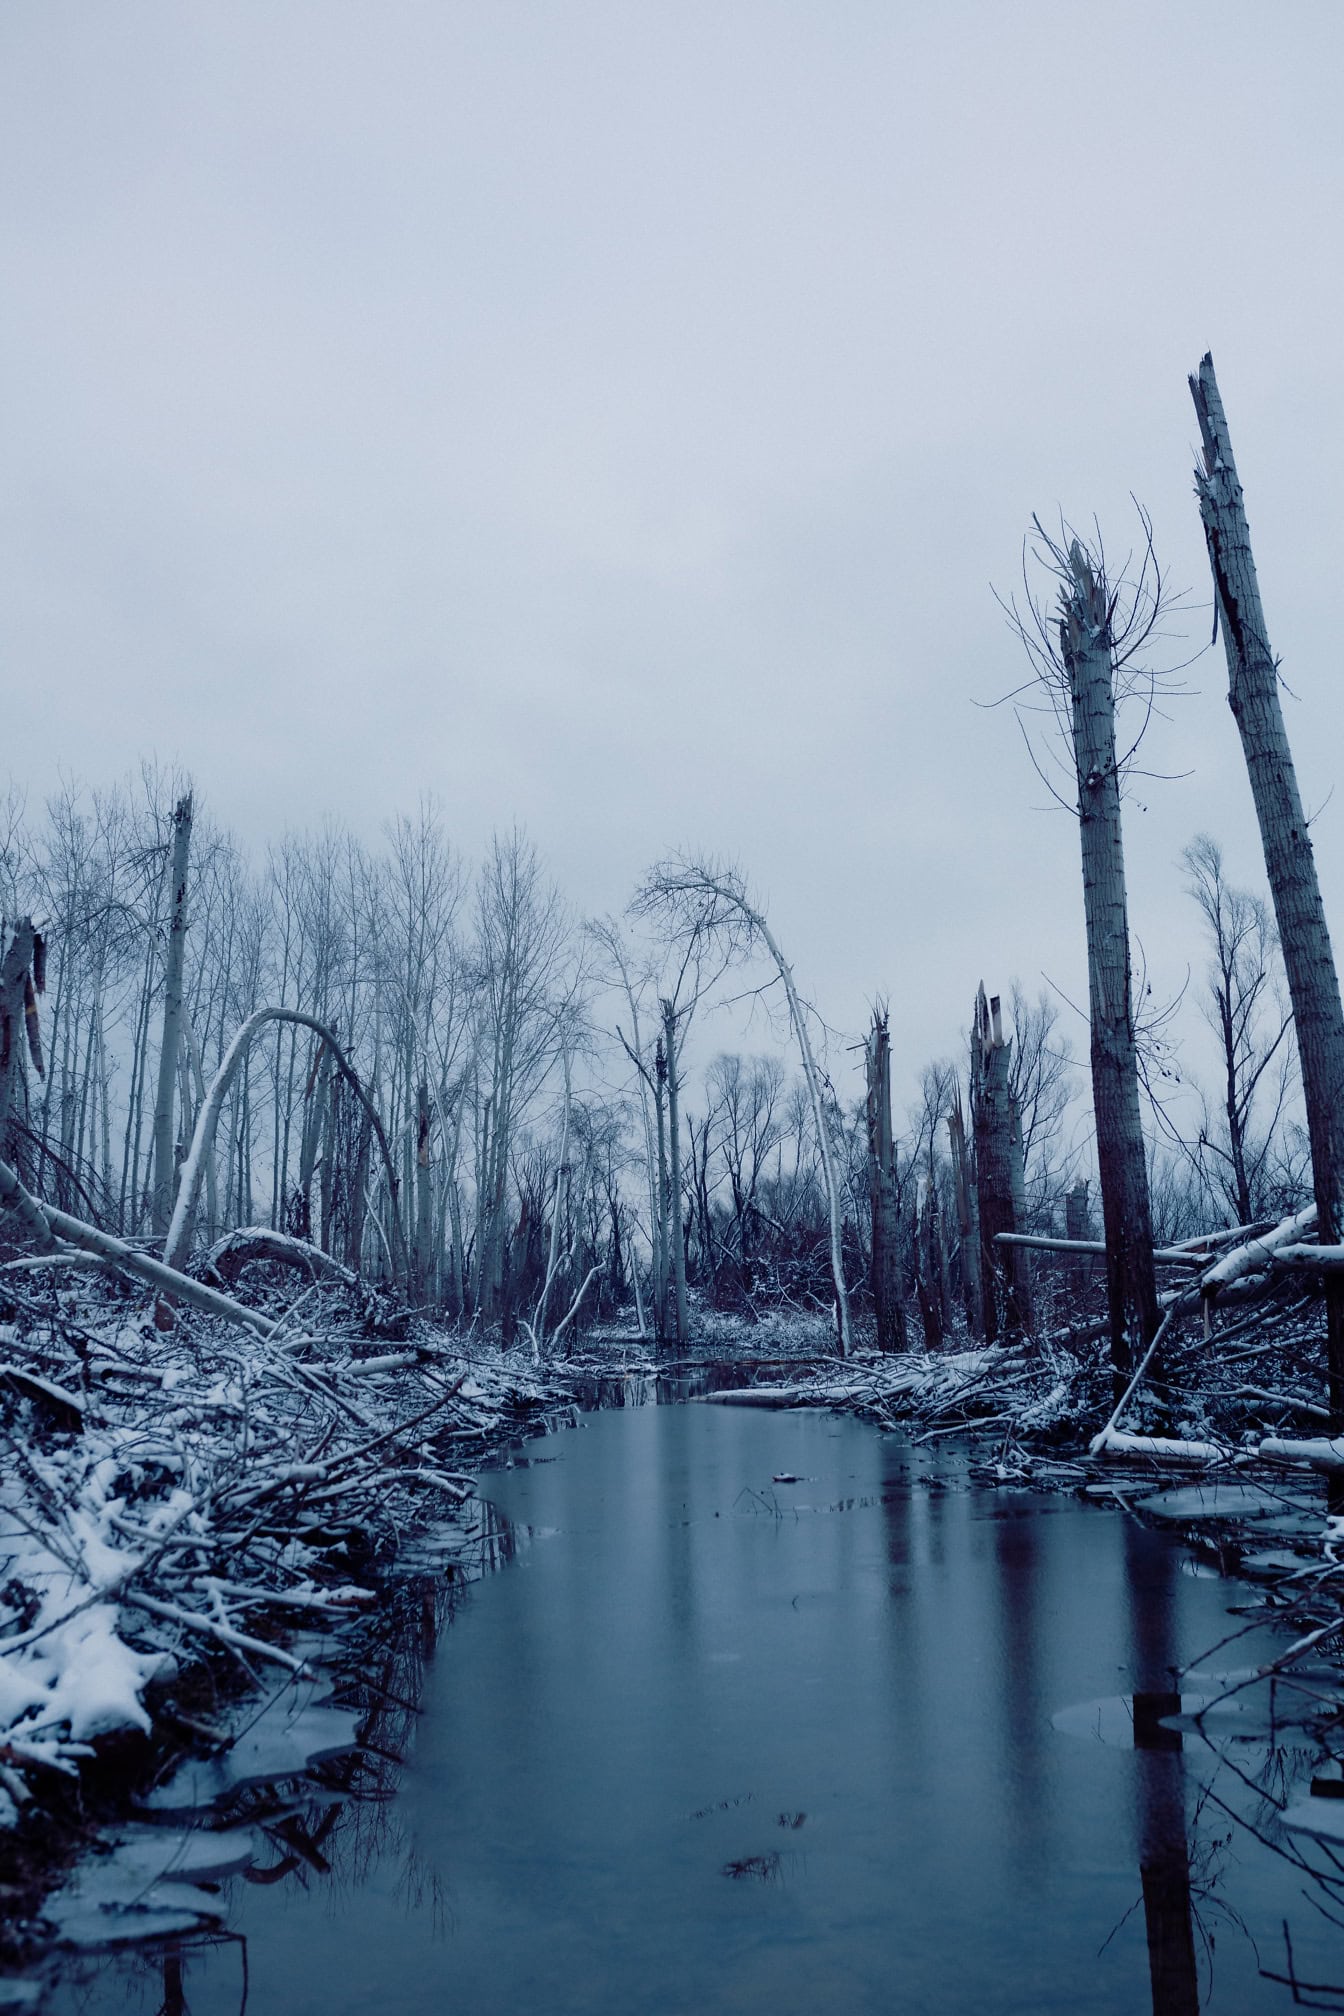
(165, 1161)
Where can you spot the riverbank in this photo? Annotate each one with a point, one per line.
(189, 1515)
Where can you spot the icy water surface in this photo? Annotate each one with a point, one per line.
(859, 1742)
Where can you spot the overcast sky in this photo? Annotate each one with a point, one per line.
(613, 418)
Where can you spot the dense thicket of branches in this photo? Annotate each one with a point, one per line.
(432, 1073)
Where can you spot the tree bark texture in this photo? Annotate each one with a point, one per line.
(165, 1160)
(1308, 957)
(886, 1278)
(1087, 653)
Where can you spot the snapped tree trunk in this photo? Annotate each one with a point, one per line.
(1078, 1225)
(1087, 653)
(1308, 957)
(676, 1223)
(1003, 1289)
(886, 1278)
(165, 1160)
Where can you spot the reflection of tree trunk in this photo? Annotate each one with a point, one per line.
(1164, 1852)
(174, 1999)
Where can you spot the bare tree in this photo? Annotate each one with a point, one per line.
(1308, 956)
(1253, 1028)
(1088, 656)
(715, 895)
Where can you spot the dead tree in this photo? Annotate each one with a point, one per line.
(1247, 1014)
(1308, 957)
(886, 1273)
(165, 1159)
(1088, 655)
(711, 899)
(1087, 646)
(1004, 1288)
(1078, 1226)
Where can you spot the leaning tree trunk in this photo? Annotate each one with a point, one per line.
(22, 964)
(1003, 1286)
(165, 1161)
(886, 1275)
(676, 1220)
(1253, 695)
(1086, 647)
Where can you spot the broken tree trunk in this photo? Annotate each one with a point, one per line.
(1308, 957)
(886, 1276)
(165, 1159)
(1003, 1290)
(1087, 652)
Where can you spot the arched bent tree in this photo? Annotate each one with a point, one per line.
(713, 897)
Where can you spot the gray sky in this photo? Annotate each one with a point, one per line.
(612, 417)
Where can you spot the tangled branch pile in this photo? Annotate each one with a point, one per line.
(168, 1497)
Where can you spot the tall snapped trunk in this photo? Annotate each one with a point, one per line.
(1086, 649)
(1308, 958)
(1003, 1283)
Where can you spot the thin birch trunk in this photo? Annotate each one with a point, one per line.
(165, 1160)
(1308, 957)
(674, 1172)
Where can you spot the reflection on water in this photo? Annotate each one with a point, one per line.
(712, 1743)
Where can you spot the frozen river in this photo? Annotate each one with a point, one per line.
(715, 1742)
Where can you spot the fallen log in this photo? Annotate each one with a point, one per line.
(49, 1224)
(1256, 1256)
(1322, 1452)
(1039, 1242)
(753, 1396)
